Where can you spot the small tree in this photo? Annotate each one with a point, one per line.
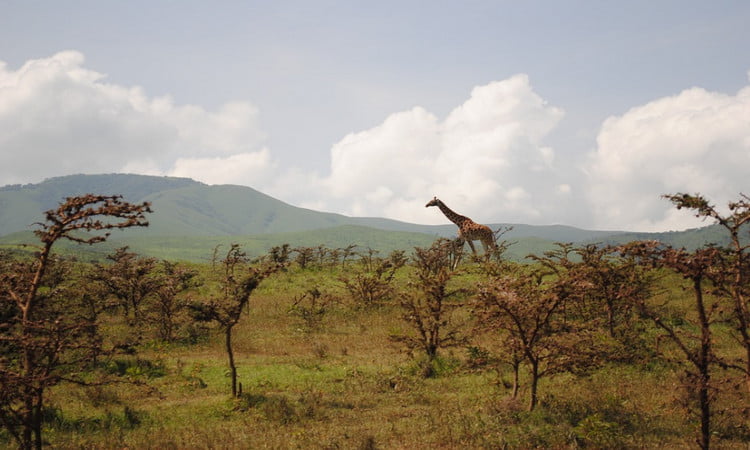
(167, 307)
(130, 279)
(697, 349)
(280, 254)
(524, 309)
(45, 341)
(237, 283)
(347, 252)
(602, 289)
(530, 314)
(732, 276)
(311, 307)
(305, 256)
(371, 283)
(428, 309)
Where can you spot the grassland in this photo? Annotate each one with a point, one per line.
(345, 384)
(198, 249)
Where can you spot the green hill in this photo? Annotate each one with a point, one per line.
(190, 218)
(183, 207)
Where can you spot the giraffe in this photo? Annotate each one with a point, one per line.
(468, 230)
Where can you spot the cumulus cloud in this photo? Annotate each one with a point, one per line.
(234, 169)
(58, 117)
(694, 142)
(486, 157)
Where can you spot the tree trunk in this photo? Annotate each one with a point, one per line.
(534, 384)
(740, 307)
(232, 367)
(516, 383)
(37, 420)
(703, 364)
(705, 407)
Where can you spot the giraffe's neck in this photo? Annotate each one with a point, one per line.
(454, 217)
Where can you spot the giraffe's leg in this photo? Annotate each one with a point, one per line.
(489, 248)
(458, 249)
(471, 244)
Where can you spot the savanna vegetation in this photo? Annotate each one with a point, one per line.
(591, 346)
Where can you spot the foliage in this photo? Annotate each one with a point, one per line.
(697, 348)
(611, 335)
(428, 308)
(129, 279)
(49, 339)
(168, 309)
(533, 317)
(311, 307)
(729, 273)
(237, 283)
(371, 284)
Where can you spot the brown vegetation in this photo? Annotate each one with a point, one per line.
(594, 339)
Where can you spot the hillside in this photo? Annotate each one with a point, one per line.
(190, 218)
(183, 207)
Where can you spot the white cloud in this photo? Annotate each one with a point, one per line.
(694, 142)
(58, 117)
(250, 169)
(486, 159)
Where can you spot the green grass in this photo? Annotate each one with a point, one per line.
(198, 249)
(348, 386)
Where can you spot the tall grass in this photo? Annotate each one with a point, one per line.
(348, 385)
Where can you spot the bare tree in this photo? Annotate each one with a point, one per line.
(238, 281)
(602, 286)
(524, 309)
(44, 340)
(696, 267)
(304, 256)
(371, 283)
(428, 309)
(167, 309)
(347, 252)
(527, 306)
(732, 274)
(130, 279)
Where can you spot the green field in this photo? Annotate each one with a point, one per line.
(343, 382)
(349, 336)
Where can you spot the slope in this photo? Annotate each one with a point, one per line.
(183, 207)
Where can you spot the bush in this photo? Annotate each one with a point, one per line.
(276, 408)
(136, 367)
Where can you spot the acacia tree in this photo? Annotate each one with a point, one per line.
(167, 309)
(528, 306)
(698, 268)
(523, 308)
(732, 274)
(371, 283)
(46, 342)
(238, 281)
(428, 309)
(130, 279)
(304, 256)
(602, 288)
(610, 284)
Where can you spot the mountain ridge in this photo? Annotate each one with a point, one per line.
(186, 209)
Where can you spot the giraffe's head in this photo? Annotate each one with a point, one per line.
(433, 202)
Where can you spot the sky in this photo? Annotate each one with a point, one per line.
(581, 113)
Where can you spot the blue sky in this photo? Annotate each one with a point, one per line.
(578, 112)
